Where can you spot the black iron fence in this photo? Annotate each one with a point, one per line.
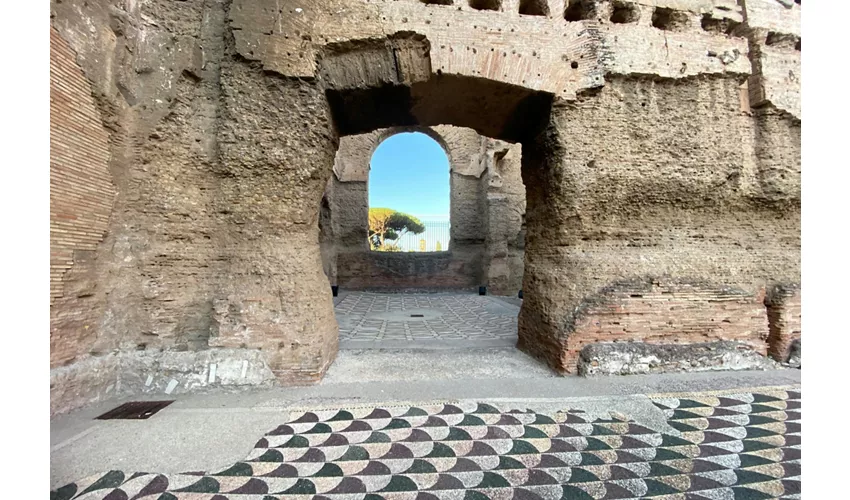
(434, 239)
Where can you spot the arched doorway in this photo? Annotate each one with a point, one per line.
(409, 195)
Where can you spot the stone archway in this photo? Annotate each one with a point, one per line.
(484, 180)
(648, 175)
(570, 262)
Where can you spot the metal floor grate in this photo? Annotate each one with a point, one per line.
(134, 410)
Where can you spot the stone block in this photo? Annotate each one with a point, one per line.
(636, 358)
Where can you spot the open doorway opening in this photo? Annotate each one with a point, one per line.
(409, 195)
(466, 191)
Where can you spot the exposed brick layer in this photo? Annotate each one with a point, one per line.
(783, 311)
(81, 196)
(374, 270)
(662, 313)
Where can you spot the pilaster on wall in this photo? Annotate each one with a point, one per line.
(505, 211)
(277, 151)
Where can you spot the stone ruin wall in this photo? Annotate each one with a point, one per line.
(487, 202)
(670, 156)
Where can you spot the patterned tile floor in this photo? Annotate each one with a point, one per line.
(726, 446)
(371, 317)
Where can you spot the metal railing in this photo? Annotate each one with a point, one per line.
(434, 239)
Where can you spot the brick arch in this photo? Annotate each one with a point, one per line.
(611, 194)
(531, 51)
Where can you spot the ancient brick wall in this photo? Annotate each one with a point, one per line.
(389, 271)
(223, 119)
(153, 70)
(668, 312)
(81, 197)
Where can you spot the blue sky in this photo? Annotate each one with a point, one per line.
(410, 173)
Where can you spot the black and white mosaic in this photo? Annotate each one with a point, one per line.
(730, 446)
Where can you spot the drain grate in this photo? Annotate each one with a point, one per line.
(417, 315)
(134, 410)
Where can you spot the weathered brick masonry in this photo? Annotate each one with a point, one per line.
(81, 196)
(784, 311)
(660, 312)
(640, 158)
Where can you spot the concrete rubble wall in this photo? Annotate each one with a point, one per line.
(678, 200)
(480, 185)
(660, 140)
(152, 69)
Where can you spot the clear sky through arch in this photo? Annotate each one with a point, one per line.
(410, 173)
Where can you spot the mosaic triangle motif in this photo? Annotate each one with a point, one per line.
(731, 446)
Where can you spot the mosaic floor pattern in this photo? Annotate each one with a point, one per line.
(728, 446)
(370, 317)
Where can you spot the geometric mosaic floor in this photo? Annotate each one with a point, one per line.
(729, 446)
(369, 317)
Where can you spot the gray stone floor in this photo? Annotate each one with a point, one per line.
(422, 320)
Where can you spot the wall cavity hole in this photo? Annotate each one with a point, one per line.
(625, 13)
(534, 7)
(485, 4)
(713, 25)
(782, 40)
(574, 65)
(580, 10)
(669, 19)
(417, 315)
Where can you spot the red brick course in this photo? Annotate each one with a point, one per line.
(81, 196)
(668, 313)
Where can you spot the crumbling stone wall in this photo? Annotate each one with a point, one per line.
(678, 197)
(153, 68)
(660, 140)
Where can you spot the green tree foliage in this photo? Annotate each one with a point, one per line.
(388, 224)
